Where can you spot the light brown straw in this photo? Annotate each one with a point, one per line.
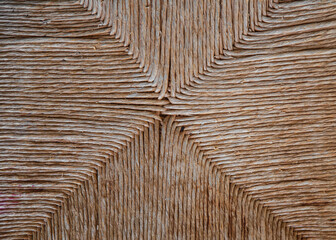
(177, 119)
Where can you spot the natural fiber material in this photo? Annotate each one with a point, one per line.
(167, 119)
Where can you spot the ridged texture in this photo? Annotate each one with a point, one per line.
(167, 119)
(161, 186)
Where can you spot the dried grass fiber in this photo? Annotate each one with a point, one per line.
(179, 119)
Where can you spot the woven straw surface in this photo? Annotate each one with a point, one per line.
(179, 119)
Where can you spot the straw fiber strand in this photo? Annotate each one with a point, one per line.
(148, 119)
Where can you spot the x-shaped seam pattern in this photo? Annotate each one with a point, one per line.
(83, 142)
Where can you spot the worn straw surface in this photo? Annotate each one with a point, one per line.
(179, 119)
